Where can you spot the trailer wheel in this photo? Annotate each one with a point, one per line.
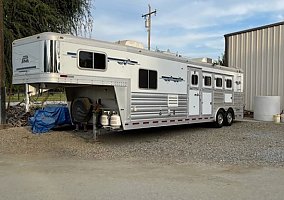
(220, 119)
(229, 118)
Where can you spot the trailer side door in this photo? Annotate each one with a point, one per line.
(194, 85)
(207, 90)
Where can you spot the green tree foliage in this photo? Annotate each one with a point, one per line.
(23, 18)
(221, 60)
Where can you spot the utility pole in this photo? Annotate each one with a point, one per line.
(2, 68)
(147, 18)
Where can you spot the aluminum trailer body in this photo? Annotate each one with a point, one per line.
(144, 88)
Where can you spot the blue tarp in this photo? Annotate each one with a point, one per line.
(49, 117)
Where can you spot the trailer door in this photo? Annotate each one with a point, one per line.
(194, 84)
(207, 91)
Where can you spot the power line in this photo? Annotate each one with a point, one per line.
(147, 18)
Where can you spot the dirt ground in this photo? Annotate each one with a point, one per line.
(244, 161)
(35, 178)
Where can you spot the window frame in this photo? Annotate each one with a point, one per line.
(148, 79)
(197, 80)
(93, 53)
(195, 72)
(215, 82)
(229, 78)
(210, 75)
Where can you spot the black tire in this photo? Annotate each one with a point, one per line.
(220, 119)
(229, 118)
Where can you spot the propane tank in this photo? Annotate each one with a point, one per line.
(104, 119)
(115, 120)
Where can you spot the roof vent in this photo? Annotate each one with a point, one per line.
(204, 60)
(131, 43)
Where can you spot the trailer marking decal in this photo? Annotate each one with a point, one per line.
(171, 78)
(123, 61)
(71, 54)
(30, 67)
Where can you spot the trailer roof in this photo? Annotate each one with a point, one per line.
(111, 45)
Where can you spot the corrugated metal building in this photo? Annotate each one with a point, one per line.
(259, 52)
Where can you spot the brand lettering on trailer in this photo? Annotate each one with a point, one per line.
(25, 59)
(123, 61)
(170, 78)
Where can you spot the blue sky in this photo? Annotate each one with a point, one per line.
(192, 28)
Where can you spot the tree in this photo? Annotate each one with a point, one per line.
(23, 18)
(221, 60)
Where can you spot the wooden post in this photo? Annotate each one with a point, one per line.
(2, 69)
(95, 130)
(148, 24)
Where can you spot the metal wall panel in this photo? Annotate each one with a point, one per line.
(259, 53)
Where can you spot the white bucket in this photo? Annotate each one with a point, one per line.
(276, 118)
(282, 118)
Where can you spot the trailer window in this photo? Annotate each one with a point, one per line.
(99, 61)
(219, 82)
(147, 79)
(228, 83)
(86, 59)
(91, 60)
(152, 79)
(207, 80)
(143, 78)
(194, 79)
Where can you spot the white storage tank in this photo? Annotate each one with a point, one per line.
(105, 119)
(115, 121)
(265, 107)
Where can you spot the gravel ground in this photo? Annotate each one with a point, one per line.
(246, 143)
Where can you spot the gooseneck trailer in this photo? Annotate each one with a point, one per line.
(137, 88)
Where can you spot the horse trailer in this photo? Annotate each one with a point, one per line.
(137, 88)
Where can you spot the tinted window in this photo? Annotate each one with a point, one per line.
(147, 79)
(99, 61)
(207, 81)
(86, 59)
(92, 60)
(219, 82)
(143, 78)
(152, 79)
(228, 83)
(194, 79)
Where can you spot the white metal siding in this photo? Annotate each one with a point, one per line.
(260, 53)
